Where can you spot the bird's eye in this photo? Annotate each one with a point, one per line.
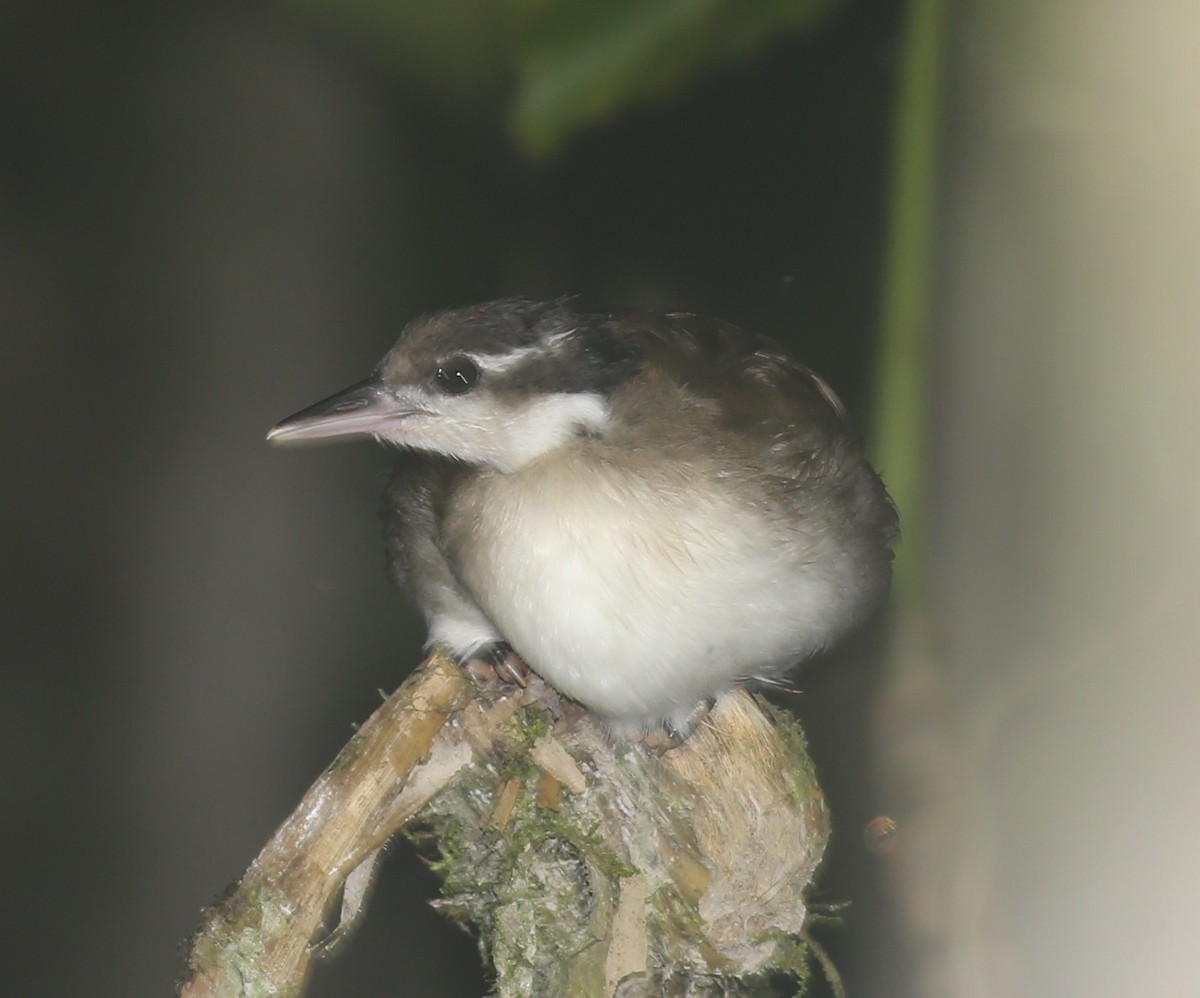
(457, 375)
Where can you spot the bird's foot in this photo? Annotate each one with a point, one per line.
(675, 730)
(662, 740)
(496, 666)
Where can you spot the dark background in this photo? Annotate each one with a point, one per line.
(212, 214)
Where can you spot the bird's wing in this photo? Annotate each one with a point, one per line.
(761, 390)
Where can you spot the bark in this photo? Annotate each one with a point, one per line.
(587, 867)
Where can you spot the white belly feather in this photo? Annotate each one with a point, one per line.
(635, 590)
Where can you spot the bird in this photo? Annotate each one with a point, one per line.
(648, 508)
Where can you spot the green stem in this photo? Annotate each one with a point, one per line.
(902, 394)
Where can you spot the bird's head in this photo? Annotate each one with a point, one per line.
(498, 384)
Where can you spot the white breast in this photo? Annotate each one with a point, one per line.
(641, 587)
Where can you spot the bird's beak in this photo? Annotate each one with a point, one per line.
(363, 410)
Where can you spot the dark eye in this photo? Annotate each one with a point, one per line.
(457, 375)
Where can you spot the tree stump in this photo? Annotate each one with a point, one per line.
(587, 867)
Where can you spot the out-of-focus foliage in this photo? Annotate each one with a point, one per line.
(583, 60)
(458, 53)
(565, 64)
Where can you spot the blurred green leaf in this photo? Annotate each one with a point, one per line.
(455, 53)
(582, 61)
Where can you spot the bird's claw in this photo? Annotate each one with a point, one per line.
(675, 732)
(496, 665)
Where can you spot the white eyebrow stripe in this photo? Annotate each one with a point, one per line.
(503, 361)
(559, 338)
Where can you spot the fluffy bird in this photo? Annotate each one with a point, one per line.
(648, 508)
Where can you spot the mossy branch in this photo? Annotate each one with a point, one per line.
(587, 867)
